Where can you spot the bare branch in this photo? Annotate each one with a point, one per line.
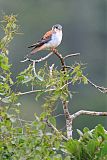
(34, 68)
(65, 102)
(38, 60)
(84, 112)
(22, 120)
(41, 90)
(68, 119)
(71, 55)
(65, 85)
(101, 89)
(55, 129)
(60, 57)
(34, 91)
(59, 115)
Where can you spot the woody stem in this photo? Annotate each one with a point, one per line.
(65, 102)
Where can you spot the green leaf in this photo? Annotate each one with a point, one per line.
(100, 130)
(73, 147)
(91, 147)
(3, 78)
(80, 133)
(85, 80)
(4, 66)
(67, 158)
(57, 157)
(57, 145)
(85, 129)
(39, 77)
(43, 115)
(27, 79)
(37, 157)
(39, 94)
(52, 120)
(104, 149)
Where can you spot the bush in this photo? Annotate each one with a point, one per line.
(39, 139)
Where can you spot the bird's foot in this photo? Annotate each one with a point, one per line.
(54, 50)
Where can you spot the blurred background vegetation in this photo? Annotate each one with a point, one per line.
(84, 30)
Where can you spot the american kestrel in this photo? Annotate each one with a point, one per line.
(49, 41)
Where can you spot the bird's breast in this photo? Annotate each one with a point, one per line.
(55, 39)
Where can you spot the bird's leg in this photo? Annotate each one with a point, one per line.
(53, 50)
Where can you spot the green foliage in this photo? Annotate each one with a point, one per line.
(36, 140)
(31, 141)
(55, 84)
(10, 28)
(92, 145)
(25, 76)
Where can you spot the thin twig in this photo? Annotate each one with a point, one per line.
(61, 129)
(71, 55)
(34, 91)
(38, 60)
(65, 85)
(59, 115)
(55, 129)
(22, 120)
(34, 68)
(51, 70)
(40, 90)
(101, 89)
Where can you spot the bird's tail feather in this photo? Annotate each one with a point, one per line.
(35, 50)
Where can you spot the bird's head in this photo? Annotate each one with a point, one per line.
(57, 27)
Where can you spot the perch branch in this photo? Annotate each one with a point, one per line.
(38, 60)
(83, 112)
(55, 51)
(65, 102)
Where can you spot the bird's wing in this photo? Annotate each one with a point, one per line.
(47, 35)
(45, 39)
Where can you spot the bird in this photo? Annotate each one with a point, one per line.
(49, 41)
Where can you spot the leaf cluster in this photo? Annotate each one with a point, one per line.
(34, 141)
(92, 145)
(10, 27)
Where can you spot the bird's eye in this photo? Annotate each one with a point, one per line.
(56, 27)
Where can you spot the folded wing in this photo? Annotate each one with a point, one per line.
(46, 38)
